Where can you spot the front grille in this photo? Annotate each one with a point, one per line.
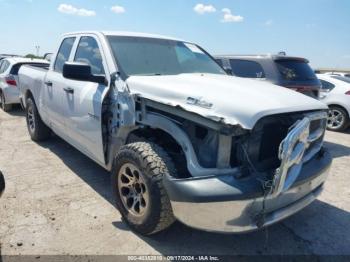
(263, 144)
(301, 144)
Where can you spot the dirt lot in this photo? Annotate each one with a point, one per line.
(58, 202)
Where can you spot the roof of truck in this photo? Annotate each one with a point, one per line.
(125, 33)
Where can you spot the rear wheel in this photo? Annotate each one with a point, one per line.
(138, 189)
(4, 107)
(38, 131)
(338, 119)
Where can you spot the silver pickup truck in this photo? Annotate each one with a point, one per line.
(182, 139)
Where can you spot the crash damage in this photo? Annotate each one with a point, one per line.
(249, 176)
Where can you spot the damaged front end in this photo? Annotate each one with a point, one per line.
(276, 169)
(229, 179)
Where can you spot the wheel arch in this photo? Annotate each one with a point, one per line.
(340, 106)
(28, 94)
(165, 127)
(2, 92)
(142, 133)
(166, 141)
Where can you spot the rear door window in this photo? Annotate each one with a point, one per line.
(295, 70)
(326, 85)
(247, 69)
(63, 53)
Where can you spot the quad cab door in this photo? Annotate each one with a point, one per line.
(53, 89)
(82, 101)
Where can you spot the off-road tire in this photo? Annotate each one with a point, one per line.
(2, 184)
(346, 122)
(4, 106)
(38, 131)
(153, 163)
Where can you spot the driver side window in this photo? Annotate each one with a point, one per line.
(89, 53)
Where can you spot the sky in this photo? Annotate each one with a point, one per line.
(315, 29)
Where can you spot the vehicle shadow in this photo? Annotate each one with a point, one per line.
(337, 150)
(90, 172)
(16, 111)
(320, 228)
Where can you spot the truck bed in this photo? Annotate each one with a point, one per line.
(31, 78)
(38, 66)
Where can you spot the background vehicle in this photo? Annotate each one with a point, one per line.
(336, 94)
(48, 56)
(339, 74)
(3, 56)
(181, 138)
(9, 92)
(291, 72)
(2, 184)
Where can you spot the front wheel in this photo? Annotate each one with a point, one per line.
(138, 188)
(37, 129)
(338, 119)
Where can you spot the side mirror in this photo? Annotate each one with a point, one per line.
(2, 184)
(82, 72)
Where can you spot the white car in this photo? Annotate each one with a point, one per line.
(339, 74)
(9, 67)
(336, 94)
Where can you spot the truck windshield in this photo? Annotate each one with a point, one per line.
(148, 56)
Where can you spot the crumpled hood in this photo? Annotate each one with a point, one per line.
(234, 100)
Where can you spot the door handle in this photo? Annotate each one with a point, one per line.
(48, 83)
(69, 90)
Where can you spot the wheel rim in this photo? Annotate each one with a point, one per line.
(31, 119)
(336, 119)
(133, 190)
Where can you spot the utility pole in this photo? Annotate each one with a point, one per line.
(37, 47)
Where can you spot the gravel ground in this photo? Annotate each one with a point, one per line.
(57, 201)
